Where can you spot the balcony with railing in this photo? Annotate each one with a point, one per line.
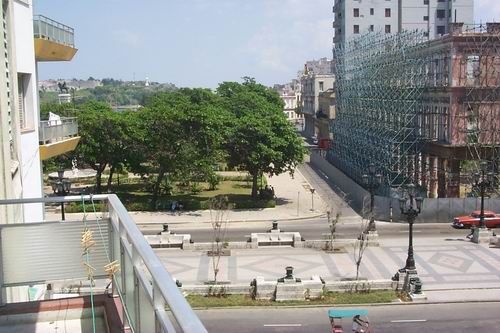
(57, 137)
(54, 41)
(118, 275)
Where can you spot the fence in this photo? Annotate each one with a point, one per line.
(434, 210)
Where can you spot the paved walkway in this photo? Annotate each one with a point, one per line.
(294, 202)
(442, 264)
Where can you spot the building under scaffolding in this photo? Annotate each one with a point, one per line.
(423, 112)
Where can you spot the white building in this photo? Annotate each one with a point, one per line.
(290, 94)
(312, 85)
(25, 140)
(19, 155)
(352, 18)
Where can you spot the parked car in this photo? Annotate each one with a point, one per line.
(491, 220)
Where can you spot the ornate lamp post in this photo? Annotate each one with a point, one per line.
(411, 213)
(483, 181)
(410, 206)
(61, 187)
(372, 181)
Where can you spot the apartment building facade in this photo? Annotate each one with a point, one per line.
(26, 140)
(315, 78)
(20, 165)
(290, 94)
(433, 17)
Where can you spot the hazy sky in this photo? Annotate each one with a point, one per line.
(198, 42)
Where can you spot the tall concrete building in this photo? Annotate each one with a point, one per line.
(25, 140)
(354, 17)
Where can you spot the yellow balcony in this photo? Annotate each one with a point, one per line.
(54, 41)
(58, 137)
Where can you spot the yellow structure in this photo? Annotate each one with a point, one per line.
(58, 148)
(47, 50)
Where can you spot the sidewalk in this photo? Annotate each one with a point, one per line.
(451, 271)
(294, 202)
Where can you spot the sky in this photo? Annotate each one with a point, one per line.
(198, 43)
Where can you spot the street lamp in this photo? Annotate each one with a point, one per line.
(483, 181)
(411, 213)
(312, 198)
(372, 181)
(61, 187)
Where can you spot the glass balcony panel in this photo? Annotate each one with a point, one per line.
(141, 270)
(129, 294)
(146, 310)
(54, 131)
(46, 28)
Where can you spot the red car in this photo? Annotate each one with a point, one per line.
(491, 220)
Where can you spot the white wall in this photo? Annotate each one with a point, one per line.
(25, 63)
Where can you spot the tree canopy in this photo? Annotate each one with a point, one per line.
(261, 139)
(185, 133)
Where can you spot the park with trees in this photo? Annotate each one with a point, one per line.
(173, 148)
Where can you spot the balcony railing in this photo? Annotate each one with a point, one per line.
(51, 131)
(51, 30)
(39, 253)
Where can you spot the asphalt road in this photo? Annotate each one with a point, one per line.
(459, 317)
(309, 229)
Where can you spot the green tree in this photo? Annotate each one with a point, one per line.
(181, 134)
(103, 139)
(261, 138)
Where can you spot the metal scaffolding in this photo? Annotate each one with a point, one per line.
(423, 111)
(380, 79)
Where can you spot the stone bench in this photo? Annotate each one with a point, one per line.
(168, 240)
(276, 237)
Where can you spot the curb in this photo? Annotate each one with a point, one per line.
(342, 305)
(234, 221)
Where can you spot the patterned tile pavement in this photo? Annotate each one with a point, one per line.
(442, 265)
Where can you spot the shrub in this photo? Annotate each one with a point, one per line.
(196, 188)
(213, 180)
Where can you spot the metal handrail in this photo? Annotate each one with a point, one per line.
(57, 130)
(163, 290)
(46, 28)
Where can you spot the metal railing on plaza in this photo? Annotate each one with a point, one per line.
(38, 253)
(57, 130)
(48, 29)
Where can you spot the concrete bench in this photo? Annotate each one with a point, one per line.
(167, 240)
(276, 237)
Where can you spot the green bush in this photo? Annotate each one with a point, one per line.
(196, 188)
(255, 204)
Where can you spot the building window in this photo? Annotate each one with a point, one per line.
(321, 86)
(441, 1)
(372, 11)
(356, 12)
(356, 29)
(440, 30)
(21, 92)
(426, 2)
(440, 13)
(387, 12)
(372, 27)
(426, 18)
(387, 28)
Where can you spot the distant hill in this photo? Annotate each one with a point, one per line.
(114, 92)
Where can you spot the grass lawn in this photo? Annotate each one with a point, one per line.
(379, 296)
(136, 196)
